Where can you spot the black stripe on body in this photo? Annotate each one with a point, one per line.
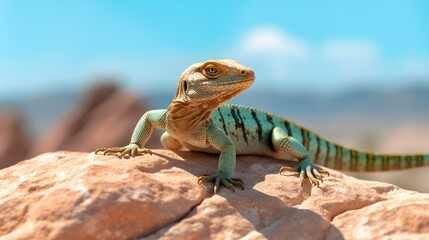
(243, 129)
(338, 157)
(327, 153)
(391, 162)
(223, 121)
(354, 160)
(305, 139)
(316, 158)
(409, 160)
(369, 162)
(287, 126)
(270, 121)
(397, 162)
(258, 123)
(420, 161)
(385, 163)
(301, 133)
(324, 151)
(235, 112)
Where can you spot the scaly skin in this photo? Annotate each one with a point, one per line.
(199, 120)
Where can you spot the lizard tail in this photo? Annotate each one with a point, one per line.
(347, 159)
(335, 156)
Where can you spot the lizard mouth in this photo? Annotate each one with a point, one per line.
(251, 79)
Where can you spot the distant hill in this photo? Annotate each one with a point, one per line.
(38, 112)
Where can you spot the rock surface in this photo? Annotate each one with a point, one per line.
(105, 116)
(14, 143)
(70, 195)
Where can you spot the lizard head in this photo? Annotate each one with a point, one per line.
(212, 83)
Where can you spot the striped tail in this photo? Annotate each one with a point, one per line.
(335, 156)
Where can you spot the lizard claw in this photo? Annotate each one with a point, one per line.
(288, 169)
(218, 179)
(131, 150)
(107, 151)
(306, 169)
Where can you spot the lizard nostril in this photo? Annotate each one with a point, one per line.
(243, 72)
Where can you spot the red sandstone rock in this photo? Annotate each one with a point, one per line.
(68, 195)
(105, 117)
(14, 143)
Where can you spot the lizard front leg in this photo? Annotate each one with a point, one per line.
(284, 143)
(141, 133)
(219, 140)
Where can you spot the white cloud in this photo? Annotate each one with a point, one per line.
(271, 41)
(350, 50)
(350, 62)
(280, 59)
(272, 52)
(289, 61)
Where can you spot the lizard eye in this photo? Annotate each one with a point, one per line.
(211, 70)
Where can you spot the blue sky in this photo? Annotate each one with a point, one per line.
(292, 45)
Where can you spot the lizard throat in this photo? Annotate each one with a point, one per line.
(189, 114)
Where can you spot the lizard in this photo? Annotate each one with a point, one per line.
(199, 119)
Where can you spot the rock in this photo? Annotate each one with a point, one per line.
(14, 143)
(72, 195)
(105, 117)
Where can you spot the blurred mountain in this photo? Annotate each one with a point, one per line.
(398, 104)
(38, 112)
(105, 116)
(14, 143)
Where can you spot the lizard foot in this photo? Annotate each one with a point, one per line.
(306, 169)
(129, 150)
(221, 180)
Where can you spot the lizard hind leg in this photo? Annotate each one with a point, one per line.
(170, 142)
(287, 144)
